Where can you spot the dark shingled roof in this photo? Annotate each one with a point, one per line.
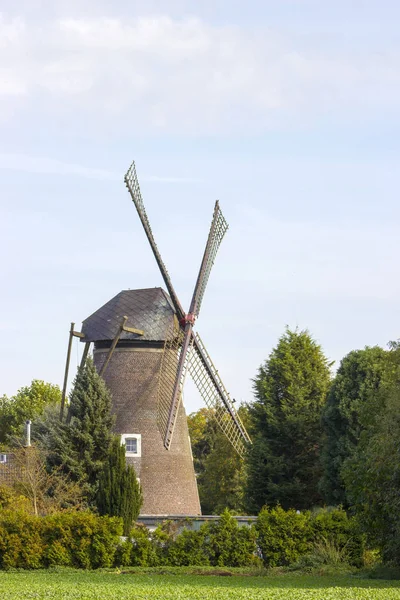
(149, 310)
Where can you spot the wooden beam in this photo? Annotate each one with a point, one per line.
(133, 330)
(78, 334)
(112, 347)
(64, 390)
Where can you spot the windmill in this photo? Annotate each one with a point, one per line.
(193, 356)
(144, 344)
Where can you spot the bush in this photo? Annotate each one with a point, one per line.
(229, 545)
(283, 536)
(145, 549)
(188, 549)
(334, 529)
(74, 539)
(81, 539)
(21, 541)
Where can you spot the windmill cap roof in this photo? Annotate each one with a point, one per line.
(150, 310)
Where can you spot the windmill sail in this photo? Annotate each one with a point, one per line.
(167, 381)
(132, 184)
(218, 229)
(215, 395)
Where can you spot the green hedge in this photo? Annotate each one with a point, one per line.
(85, 540)
(75, 539)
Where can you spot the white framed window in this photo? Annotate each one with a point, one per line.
(133, 444)
(3, 458)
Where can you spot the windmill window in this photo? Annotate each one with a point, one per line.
(133, 444)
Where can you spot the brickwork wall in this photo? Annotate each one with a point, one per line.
(166, 476)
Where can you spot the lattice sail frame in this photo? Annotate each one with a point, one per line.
(218, 228)
(217, 400)
(167, 376)
(132, 183)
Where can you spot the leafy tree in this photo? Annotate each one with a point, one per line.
(358, 377)
(119, 493)
(219, 469)
(290, 390)
(372, 472)
(81, 445)
(28, 403)
(221, 485)
(44, 491)
(202, 431)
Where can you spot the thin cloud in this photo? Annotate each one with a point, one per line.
(163, 74)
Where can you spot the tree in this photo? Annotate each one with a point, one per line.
(358, 377)
(219, 469)
(221, 484)
(81, 444)
(46, 491)
(290, 390)
(28, 403)
(202, 431)
(119, 493)
(371, 473)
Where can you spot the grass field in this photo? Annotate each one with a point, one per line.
(73, 585)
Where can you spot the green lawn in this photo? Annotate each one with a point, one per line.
(71, 585)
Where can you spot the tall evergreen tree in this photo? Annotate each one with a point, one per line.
(371, 473)
(119, 492)
(81, 444)
(290, 390)
(357, 378)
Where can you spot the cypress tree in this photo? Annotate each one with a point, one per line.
(119, 492)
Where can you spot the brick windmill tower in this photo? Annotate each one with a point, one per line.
(144, 345)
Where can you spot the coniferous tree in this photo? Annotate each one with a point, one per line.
(82, 443)
(290, 390)
(119, 492)
(357, 378)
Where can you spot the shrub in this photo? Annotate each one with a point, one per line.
(333, 528)
(21, 543)
(145, 547)
(76, 539)
(282, 536)
(189, 548)
(229, 545)
(81, 539)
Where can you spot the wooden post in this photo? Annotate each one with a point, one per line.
(84, 355)
(64, 391)
(83, 362)
(112, 347)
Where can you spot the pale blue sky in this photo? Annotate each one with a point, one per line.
(286, 111)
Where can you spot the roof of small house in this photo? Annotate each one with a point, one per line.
(150, 310)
